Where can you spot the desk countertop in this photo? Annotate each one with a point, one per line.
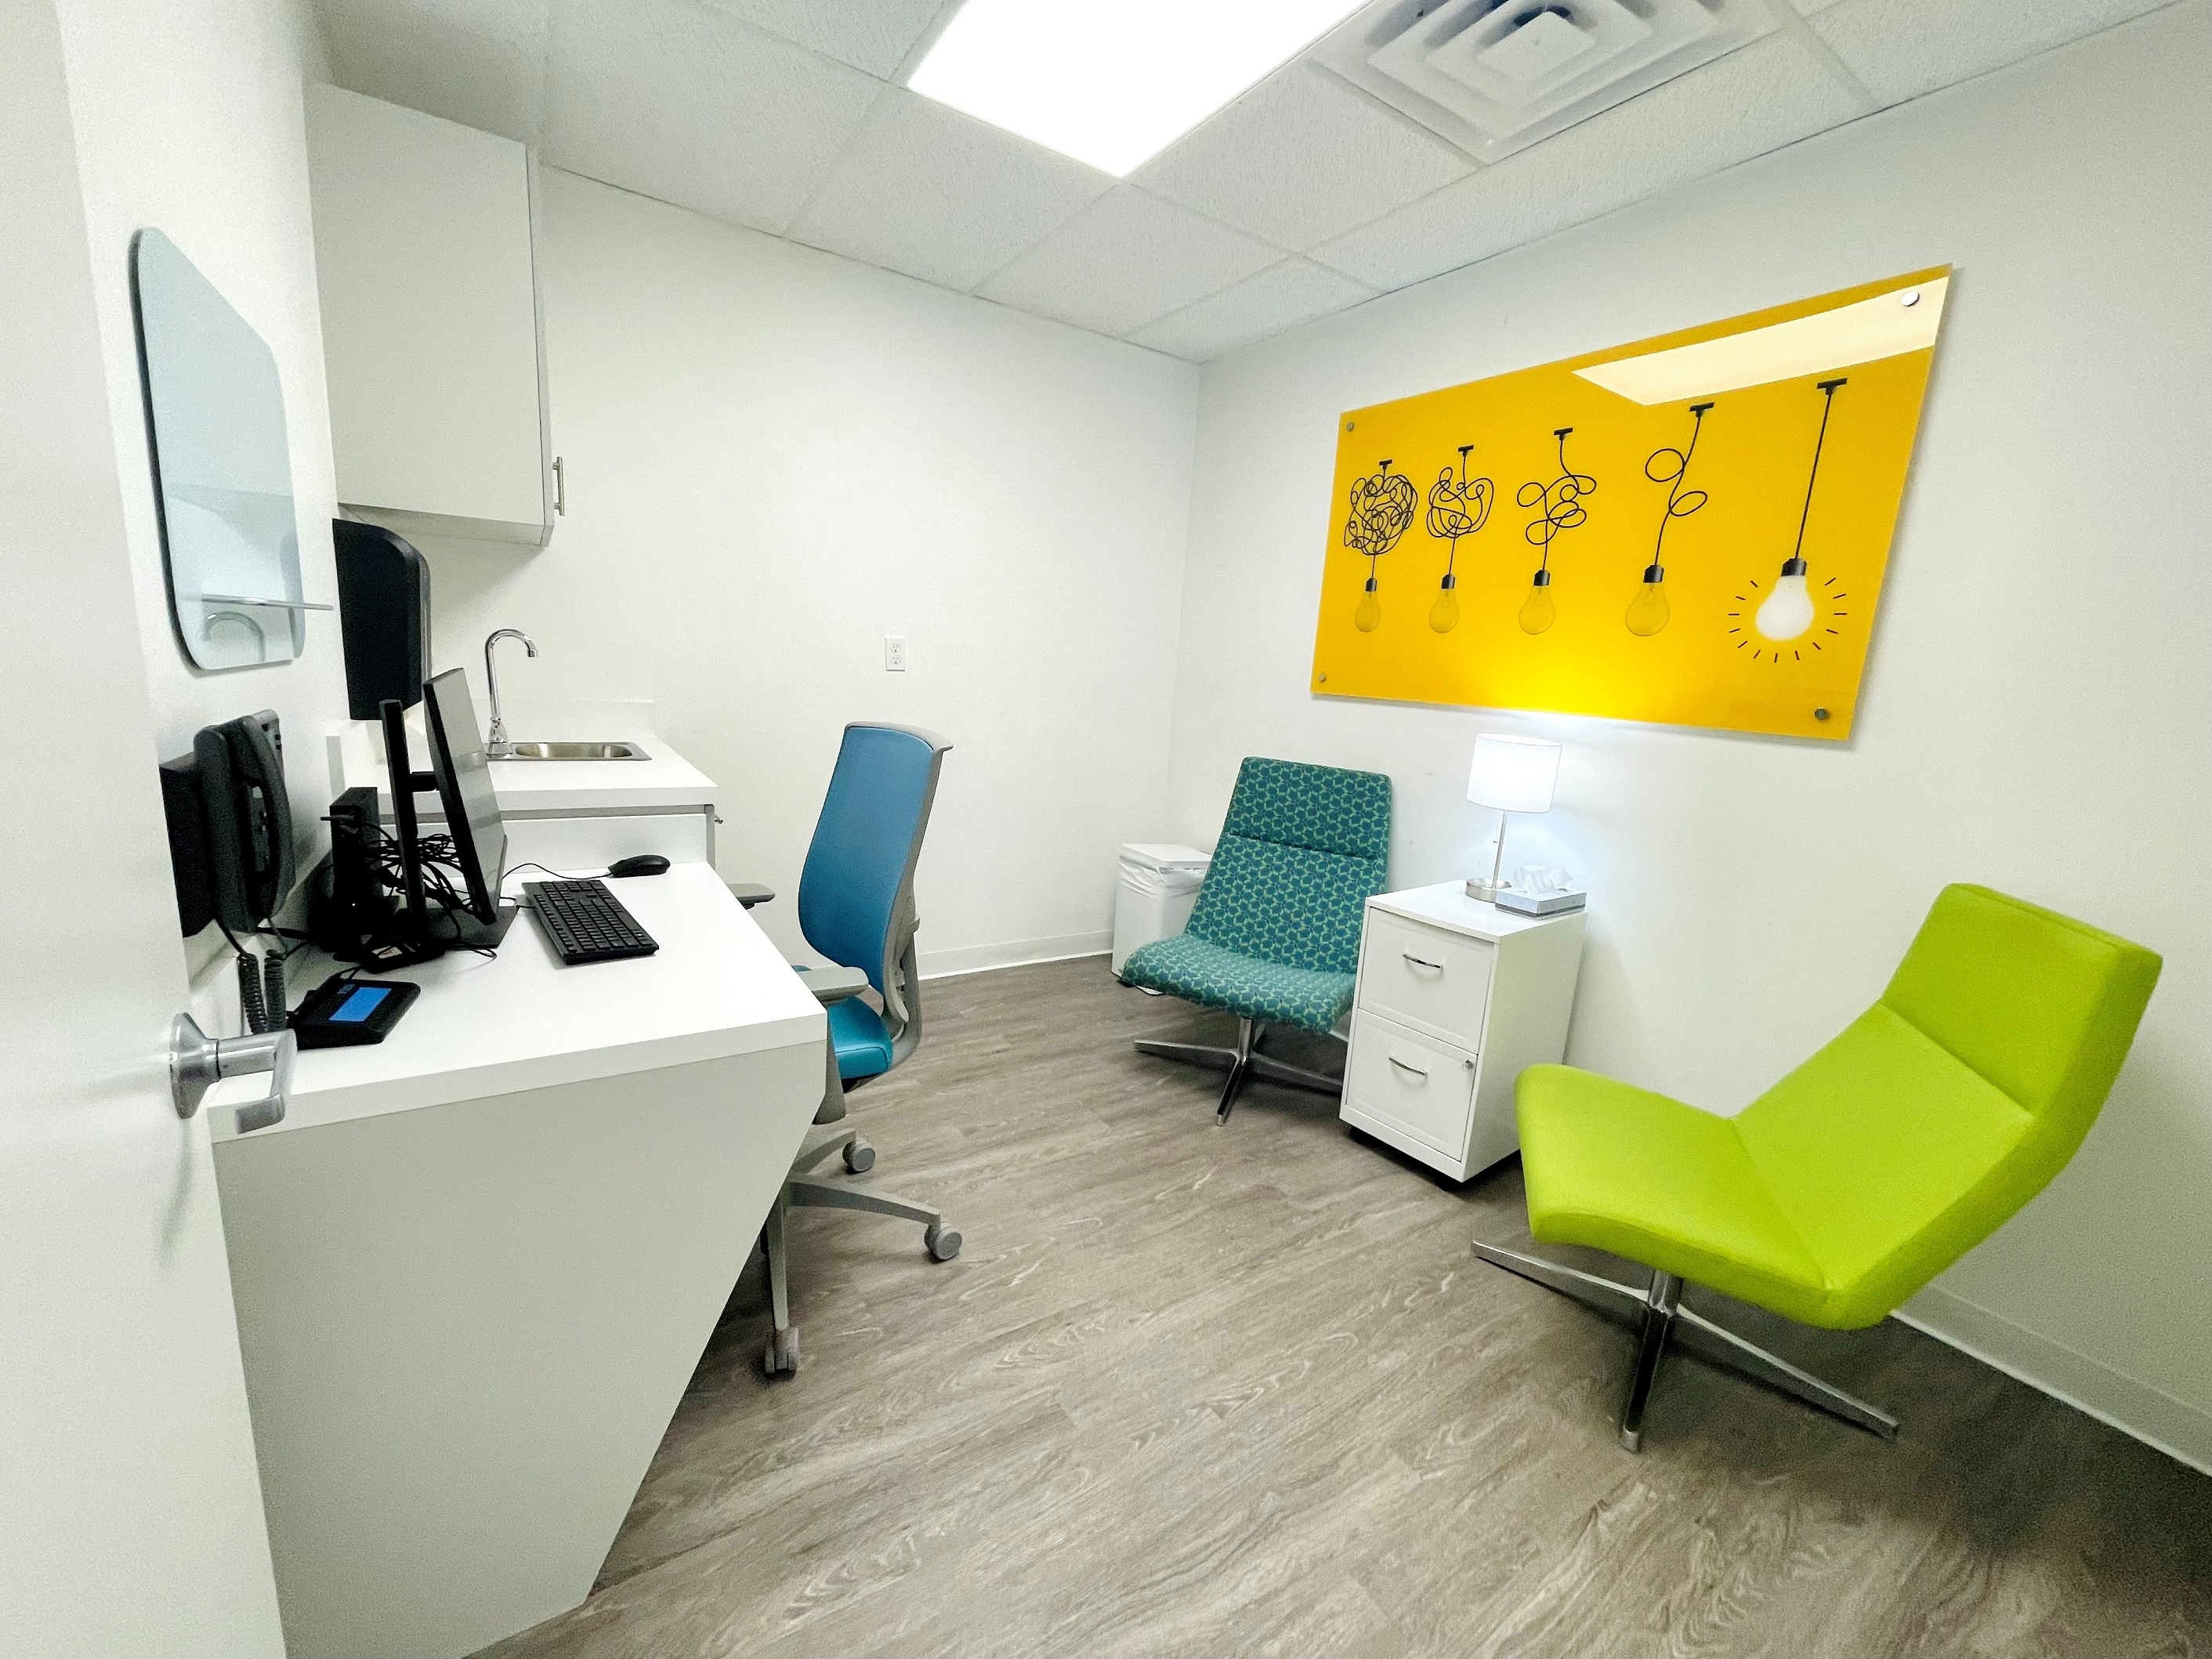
(664, 780)
(521, 1020)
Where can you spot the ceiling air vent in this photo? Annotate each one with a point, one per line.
(1493, 76)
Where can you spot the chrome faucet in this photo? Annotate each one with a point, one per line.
(496, 743)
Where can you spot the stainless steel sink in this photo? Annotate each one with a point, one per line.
(574, 752)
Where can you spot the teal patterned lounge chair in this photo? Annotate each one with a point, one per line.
(1274, 938)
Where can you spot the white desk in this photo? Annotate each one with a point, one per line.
(476, 1264)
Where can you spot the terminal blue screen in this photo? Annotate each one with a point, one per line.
(360, 1006)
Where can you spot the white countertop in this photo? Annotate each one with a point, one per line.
(521, 1020)
(1447, 905)
(663, 781)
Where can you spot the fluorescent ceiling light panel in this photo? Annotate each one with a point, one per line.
(1112, 85)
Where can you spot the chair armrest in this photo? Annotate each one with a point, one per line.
(750, 893)
(834, 984)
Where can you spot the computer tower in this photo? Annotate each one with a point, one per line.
(384, 614)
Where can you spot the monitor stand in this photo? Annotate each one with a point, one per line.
(480, 935)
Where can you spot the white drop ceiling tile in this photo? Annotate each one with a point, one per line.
(1282, 296)
(481, 63)
(1902, 48)
(927, 191)
(674, 100)
(874, 36)
(1126, 259)
(1299, 158)
(1767, 94)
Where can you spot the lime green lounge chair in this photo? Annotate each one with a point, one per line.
(1865, 1172)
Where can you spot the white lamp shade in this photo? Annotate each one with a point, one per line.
(1514, 774)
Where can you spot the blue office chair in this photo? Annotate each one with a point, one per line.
(856, 908)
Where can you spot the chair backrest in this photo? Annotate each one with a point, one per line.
(856, 892)
(1954, 1099)
(2043, 1006)
(1303, 850)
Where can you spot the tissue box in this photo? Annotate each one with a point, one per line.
(1541, 904)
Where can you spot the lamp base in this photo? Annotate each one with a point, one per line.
(1481, 887)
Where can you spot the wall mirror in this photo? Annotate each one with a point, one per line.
(222, 470)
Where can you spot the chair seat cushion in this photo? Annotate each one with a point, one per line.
(863, 1043)
(1200, 972)
(1645, 1177)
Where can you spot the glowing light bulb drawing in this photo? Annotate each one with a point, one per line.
(1561, 500)
(1787, 615)
(1382, 509)
(1649, 611)
(1457, 507)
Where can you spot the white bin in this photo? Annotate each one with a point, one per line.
(1159, 883)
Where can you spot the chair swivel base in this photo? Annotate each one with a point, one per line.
(1243, 1064)
(812, 1192)
(1661, 1315)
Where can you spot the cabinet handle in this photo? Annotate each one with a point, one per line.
(1403, 1066)
(1422, 962)
(560, 485)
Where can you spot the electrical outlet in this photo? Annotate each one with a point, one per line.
(894, 654)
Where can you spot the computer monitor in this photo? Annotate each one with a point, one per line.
(462, 771)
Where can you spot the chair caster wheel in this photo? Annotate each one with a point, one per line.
(781, 1358)
(942, 1242)
(859, 1157)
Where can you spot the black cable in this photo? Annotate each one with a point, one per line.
(531, 864)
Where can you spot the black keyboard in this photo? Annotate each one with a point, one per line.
(585, 922)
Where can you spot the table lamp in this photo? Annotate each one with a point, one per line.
(1514, 774)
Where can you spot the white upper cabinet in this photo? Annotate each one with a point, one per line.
(424, 254)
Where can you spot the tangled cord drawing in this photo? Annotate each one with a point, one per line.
(1458, 506)
(1382, 508)
(1649, 611)
(1561, 507)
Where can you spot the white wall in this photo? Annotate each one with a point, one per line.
(776, 457)
(2037, 706)
(188, 120)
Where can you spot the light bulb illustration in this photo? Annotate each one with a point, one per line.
(1458, 506)
(1382, 508)
(1649, 611)
(1561, 507)
(1786, 614)
(1537, 611)
(1787, 610)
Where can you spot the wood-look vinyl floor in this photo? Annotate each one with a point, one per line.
(1246, 1390)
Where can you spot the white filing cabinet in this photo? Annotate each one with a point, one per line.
(1456, 998)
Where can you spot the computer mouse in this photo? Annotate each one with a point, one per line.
(639, 864)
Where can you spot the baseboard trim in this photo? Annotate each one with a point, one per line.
(1014, 953)
(2179, 1429)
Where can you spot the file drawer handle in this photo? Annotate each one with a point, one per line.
(1403, 1066)
(1422, 962)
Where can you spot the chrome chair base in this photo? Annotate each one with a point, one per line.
(1243, 1064)
(1661, 1318)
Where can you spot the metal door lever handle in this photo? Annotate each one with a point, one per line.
(196, 1061)
(1421, 962)
(1403, 1066)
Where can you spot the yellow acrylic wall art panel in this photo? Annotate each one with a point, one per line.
(1690, 530)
